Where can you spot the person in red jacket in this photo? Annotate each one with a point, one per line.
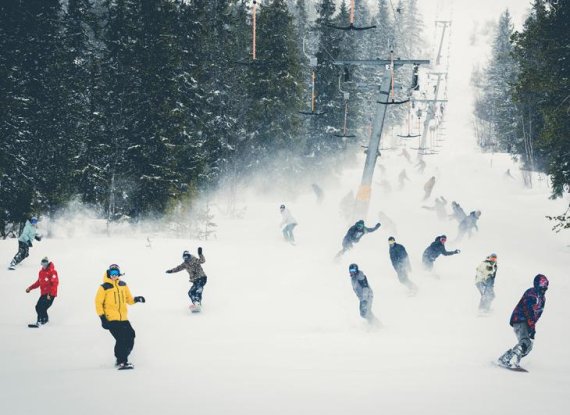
(47, 282)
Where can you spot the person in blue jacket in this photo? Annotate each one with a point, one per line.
(29, 233)
(523, 320)
(401, 263)
(363, 292)
(353, 235)
(436, 248)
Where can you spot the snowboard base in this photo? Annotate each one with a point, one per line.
(34, 326)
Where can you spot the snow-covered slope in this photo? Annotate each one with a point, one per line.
(280, 331)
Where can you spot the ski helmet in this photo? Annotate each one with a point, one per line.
(45, 261)
(492, 257)
(540, 282)
(443, 238)
(391, 239)
(353, 269)
(113, 271)
(186, 255)
(33, 220)
(282, 207)
(360, 224)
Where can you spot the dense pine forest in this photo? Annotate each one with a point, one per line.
(523, 103)
(133, 106)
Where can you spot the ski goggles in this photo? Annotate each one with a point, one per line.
(114, 272)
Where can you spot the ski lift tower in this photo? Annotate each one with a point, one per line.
(365, 189)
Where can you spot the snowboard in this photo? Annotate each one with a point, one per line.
(128, 366)
(12, 267)
(34, 326)
(513, 369)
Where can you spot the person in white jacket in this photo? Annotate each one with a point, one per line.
(288, 223)
(485, 282)
(29, 234)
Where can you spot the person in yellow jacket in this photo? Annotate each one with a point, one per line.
(111, 306)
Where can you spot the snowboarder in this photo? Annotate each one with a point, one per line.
(318, 193)
(363, 292)
(29, 233)
(468, 224)
(401, 263)
(458, 212)
(436, 248)
(428, 187)
(439, 207)
(523, 320)
(289, 221)
(47, 282)
(402, 177)
(198, 277)
(111, 307)
(353, 235)
(346, 206)
(420, 166)
(406, 155)
(485, 282)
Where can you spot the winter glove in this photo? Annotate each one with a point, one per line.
(457, 251)
(200, 250)
(377, 225)
(28, 290)
(29, 244)
(38, 237)
(139, 299)
(104, 322)
(169, 271)
(531, 334)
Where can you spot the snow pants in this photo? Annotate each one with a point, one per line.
(487, 294)
(288, 232)
(23, 252)
(365, 306)
(404, 279)
(427, 262)
(124, 335)
(196, 290)
(42, 307)
(524, 345)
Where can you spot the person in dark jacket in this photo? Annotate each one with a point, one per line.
(47, 283)
(355, 232)
(363, 292)
(458, 212)
(401, 263)
(28, 235)
(467, 225)
(436, 249)
(198, 278)
(523, 320)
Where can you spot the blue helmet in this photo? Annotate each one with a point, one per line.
(353, 269)
(33, 220)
